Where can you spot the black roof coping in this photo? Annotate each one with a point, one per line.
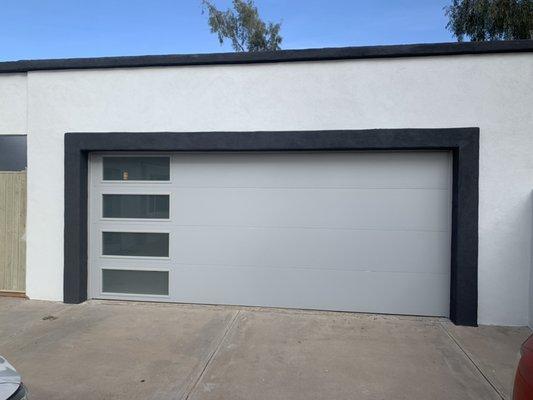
(334, 53)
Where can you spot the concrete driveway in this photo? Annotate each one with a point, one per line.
(125, 350)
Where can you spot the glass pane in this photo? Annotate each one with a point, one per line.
(137, 244)
(136, 168)
(135, 206)
(134, 282)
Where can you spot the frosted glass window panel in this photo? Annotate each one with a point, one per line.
(135, 282)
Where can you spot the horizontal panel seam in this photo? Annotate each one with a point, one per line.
(166, 225)
(107, 186)
(325, 269)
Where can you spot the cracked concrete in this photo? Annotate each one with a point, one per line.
(128, 350)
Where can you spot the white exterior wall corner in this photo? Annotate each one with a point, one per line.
(493, 92)
(531, 278)
(13, 104)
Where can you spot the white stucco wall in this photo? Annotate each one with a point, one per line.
(13, 104)
(494, 92)
(531, 284)
(531, 298)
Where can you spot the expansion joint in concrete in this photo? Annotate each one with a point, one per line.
(454, 340)
(214, 352)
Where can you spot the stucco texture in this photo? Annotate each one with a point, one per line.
(492, 92)
(13, 104)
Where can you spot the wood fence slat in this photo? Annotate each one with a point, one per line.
(13, 231)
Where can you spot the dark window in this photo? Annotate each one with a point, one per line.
(136, 168)
(135, 244)
(136, 206)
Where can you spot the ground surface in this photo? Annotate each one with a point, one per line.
(122, 350)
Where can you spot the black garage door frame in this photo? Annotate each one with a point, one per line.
(463, 142)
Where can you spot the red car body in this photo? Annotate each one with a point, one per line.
(523, 383)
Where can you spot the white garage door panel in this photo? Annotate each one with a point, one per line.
(327, 249)
(399, 209)
(352, 231)
(340, 169)
(420, 294)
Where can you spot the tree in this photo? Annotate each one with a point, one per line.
(243, 27)
(482, 20)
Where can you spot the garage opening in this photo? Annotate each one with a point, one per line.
(366, 231)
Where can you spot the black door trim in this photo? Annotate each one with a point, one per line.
(463, 142)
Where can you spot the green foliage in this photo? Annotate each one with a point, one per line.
(243, 27)
(482, 20)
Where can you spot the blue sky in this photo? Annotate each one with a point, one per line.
(32, 29)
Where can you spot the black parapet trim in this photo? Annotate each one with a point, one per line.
(323, 54)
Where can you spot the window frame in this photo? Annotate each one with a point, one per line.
(135, 295)
(100, 160)
(118, 219)
(133, 230)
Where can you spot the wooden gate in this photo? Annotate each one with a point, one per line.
(13, 232)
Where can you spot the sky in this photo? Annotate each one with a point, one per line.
(37, 29)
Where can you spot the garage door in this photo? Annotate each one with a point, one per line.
(353, 231)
